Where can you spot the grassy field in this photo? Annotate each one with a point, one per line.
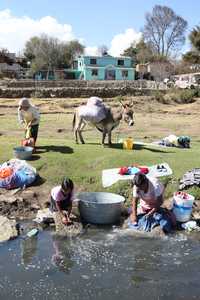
(59, 156)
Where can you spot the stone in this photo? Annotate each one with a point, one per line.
(67, 230)
(8, 199)
(8, 229)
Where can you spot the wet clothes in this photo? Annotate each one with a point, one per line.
(163, 218)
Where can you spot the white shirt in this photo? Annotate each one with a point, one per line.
(29, 115)
(148, 200)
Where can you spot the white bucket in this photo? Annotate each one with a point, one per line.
(182, 206)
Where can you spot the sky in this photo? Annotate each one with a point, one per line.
(114, 23)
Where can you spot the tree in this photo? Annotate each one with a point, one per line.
(193, 56)
(140, 53)
(164, 31)
(70, 51)
(4, 56)
(194, 38)
(48, 53)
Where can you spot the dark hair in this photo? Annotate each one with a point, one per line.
(67, 183)
(139, 179)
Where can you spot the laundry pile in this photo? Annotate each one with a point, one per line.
(94, 111)
(16, 173)
(190, 178)
(174, 141)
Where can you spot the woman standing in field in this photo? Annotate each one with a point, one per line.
(29, 116)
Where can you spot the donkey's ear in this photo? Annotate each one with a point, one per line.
(130, 104)
(122, 104)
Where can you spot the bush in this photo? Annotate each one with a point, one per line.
(158, 96)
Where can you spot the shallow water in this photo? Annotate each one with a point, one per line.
(101, 264)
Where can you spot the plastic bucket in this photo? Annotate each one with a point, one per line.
(128, 144)
(182, 206)
(23, 152)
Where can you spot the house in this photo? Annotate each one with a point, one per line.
(9, 66)
(105, 67)
(156, 70)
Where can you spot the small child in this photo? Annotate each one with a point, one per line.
(61, 199)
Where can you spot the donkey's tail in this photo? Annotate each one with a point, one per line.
(74, 121)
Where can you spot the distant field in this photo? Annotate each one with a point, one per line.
(60, 156)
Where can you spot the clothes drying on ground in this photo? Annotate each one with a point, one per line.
(133, 170)
(18, 174)
(190, 178)
(174, 141)
(94, 111)
(111, 176)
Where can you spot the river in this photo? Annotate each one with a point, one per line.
(101, 264)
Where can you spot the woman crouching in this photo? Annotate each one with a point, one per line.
(147, 212)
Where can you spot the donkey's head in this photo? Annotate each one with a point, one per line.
(127, 113)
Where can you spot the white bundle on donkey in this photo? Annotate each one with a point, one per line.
(94, 111)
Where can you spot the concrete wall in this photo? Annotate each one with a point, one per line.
(76, 89)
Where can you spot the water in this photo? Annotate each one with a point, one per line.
(102, 264)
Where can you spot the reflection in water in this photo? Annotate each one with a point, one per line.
(62, 254)
(28, 249)
(100, 265)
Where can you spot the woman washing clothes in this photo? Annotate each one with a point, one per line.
(147, 212)
(61, 200)
(29, 116)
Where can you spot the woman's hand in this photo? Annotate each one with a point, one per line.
(133, 218)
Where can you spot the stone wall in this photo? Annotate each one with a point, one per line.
(76, 88)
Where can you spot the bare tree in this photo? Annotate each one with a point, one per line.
(164, 30)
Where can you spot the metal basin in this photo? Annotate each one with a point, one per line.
(23, 152)
(100, 208)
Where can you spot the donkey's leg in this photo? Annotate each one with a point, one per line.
(109, 138)
(77, 129)
(80, 131)
(103, 136)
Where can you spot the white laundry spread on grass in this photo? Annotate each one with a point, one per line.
(111, 176)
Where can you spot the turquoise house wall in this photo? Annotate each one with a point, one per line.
(103, 64)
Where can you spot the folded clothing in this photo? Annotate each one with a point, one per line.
(133, 170)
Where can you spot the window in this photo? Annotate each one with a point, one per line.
(94, 72)
(93, 61)
(120, 62)
(124, 73)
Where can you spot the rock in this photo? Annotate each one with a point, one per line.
(67, 230)
(8, 199)
(8, 229)
(44, 215)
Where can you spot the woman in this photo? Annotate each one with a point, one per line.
(148, 194)
(29, 116)
(61, 200)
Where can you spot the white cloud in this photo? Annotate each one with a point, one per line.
(91, 51)
(122, 41)
(15, 31)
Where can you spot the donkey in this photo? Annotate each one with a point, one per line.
(106, 125)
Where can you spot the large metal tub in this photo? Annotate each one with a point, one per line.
(100, 208)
